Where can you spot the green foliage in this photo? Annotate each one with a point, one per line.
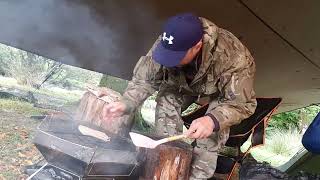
(74, 77)
(307, 114)
(113, 83)
(139, 122)
(27, 68)
(285, 120)
(32, 70)
(297, 119)
(153, 96)
(284, 135)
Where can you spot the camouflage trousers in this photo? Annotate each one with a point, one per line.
(169, 122)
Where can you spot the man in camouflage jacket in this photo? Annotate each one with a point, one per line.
(193, 60)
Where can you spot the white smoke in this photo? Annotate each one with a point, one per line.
(73, 30)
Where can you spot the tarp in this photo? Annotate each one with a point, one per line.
(109, 36)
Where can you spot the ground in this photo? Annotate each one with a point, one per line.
(16, 148)
(17, 127)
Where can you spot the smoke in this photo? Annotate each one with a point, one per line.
(90, 34)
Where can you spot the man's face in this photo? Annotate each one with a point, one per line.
(191, 54)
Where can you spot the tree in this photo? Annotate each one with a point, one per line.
(27, 68)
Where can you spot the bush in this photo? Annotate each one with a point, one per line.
(298, 119)
(285, 120)
(113, 83)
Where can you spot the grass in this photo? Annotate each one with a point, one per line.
(8, 175)
(16, 133)
(17, 128)
(15, 137)
(21, 107)
(279, 148)
(284, 143)
(11, 82)
(68, 95)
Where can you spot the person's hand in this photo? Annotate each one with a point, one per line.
(200, 128)
(113, 110)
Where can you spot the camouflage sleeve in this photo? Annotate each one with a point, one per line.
(147, 77)
(237, 97)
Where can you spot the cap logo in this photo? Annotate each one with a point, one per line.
(169, 39)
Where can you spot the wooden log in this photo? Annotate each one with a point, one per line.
(170, 161)
(90, 109)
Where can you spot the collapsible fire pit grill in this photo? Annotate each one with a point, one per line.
(63, 146)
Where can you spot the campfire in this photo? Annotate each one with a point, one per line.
(71, 151)
(67, 150)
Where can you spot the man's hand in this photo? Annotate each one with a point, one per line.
(200, 128)
(113, 110)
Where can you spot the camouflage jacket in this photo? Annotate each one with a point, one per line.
(226, 73)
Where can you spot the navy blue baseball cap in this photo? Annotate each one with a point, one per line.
(180, 33)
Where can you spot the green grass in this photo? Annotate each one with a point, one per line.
(20, 107)
(68, 95)
(7, 174)
(11, 82)
(279, 148)
(15, 137)
(284, 142)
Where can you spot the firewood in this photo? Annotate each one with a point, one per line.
(170, 161)
(91, 106)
